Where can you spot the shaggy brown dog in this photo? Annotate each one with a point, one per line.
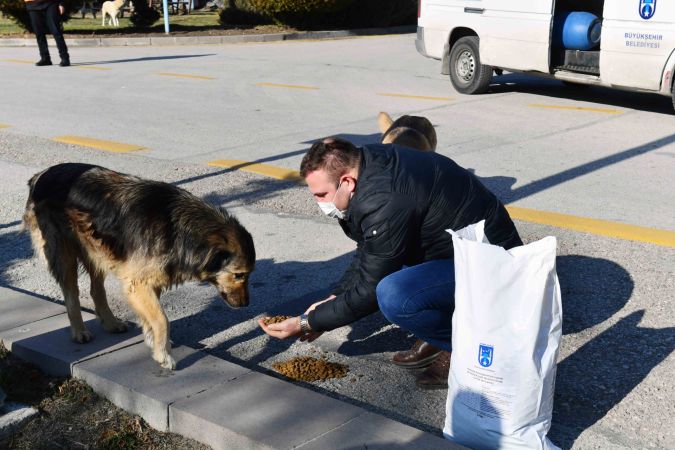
(410, 131)
(151, 235)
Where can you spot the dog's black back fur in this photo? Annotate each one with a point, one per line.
(130, 215)
(417, 123)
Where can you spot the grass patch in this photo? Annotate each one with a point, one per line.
(72, 416)
(23, 382)
(75, 391)
(128, 434)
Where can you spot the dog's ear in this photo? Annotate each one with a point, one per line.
(384, 122)
(216, 260)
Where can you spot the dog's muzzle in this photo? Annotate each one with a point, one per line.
(238, 303)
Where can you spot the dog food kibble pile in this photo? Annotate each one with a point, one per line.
(275, 319)
(307, 368)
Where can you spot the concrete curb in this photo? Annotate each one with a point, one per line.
(213, 401)
(12, 416)
(210, 40)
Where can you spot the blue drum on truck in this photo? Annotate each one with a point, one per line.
(577, 30)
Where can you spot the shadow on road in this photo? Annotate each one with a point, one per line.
(15, 246)
(142, 59)
(592, 290)
(512, 82)
(599, 375)
(502, 186)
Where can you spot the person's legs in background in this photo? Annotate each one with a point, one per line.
(53, 16)
(37, 19)
(420, 299)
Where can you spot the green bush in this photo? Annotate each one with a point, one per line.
(326, 14)
(378, 13)
(240, 12)
(272, 7)
(16, 11)
(303, 14)
(143, 16)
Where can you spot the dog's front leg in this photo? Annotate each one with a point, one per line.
(145, 301)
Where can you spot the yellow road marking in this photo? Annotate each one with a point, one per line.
(578, 108)
(91, 67)
(109, 146)
(183, 75)
(595, 226)
(260, 169)
(19, 61)
(419, 97)
(288, 86)
(2, 125)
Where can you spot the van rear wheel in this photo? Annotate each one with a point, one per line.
(467, 74)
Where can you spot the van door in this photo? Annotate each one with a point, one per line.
(638, 36)
(516, 34)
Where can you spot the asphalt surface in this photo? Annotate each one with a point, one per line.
(267, 102)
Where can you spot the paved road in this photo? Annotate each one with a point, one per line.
(590, 153)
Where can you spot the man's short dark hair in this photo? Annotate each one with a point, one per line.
(335, 156)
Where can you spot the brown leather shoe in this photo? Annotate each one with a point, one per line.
(436, 375)
(420, 355)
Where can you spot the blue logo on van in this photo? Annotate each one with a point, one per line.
(647, 9)
(485, 353)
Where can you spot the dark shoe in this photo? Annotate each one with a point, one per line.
(44, 62)
(436, 375)
(420, 355)
(64, 63)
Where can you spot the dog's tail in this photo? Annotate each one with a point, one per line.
(384, 122)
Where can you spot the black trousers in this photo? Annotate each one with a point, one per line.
(48, 20)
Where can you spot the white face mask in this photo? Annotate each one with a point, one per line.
(330, 209)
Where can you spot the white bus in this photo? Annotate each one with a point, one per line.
(476, 38)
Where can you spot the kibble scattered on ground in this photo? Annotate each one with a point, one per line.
(308, 368)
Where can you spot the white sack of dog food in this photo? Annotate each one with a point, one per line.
(505, 336)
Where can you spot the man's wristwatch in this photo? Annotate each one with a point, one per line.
(304, 324)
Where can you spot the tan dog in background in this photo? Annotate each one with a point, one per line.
(410, 131)
(112, 9)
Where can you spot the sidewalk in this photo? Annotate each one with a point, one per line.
(208, 40)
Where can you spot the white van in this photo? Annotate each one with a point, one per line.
(475, 38)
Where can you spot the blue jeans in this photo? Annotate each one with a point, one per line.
(421, 300)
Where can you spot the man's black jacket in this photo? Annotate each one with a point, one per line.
(404, 201)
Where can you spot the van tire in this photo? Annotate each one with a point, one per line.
(467, 74)
(672, 92)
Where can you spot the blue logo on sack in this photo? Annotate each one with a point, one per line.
(485, 353)
(647, 9)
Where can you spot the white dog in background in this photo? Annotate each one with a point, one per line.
(112, 9)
